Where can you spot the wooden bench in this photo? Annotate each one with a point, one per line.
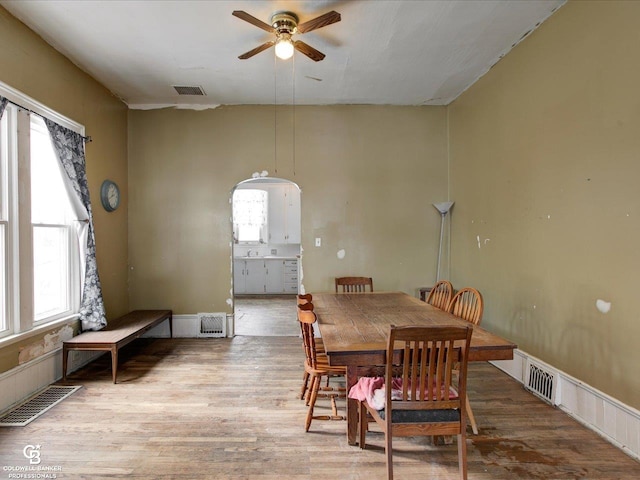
(115, 335)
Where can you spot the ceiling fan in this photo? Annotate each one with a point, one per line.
(284, 25)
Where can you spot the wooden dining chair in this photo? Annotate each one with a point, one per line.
(353, 284)
(304, 298)
(304, 303)
(317, 366)
(440, 295)
(421, 397)
(469, 305)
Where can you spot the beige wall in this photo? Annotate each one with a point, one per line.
(544, 172)
(368, 177)
(543, 161)
(30, 65)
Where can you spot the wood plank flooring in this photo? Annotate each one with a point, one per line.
(227, 409)
(266, 315)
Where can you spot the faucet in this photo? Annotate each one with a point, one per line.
(248, 253)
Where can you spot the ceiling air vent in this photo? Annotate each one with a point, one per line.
(186, 90)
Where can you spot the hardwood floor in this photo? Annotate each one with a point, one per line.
(227, 409)
(266, 315)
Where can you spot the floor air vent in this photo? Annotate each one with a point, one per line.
(37, 405)
(541, 381)
(212, 324)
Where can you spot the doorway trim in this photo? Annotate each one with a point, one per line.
(254, 182)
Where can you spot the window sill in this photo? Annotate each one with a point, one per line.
(38, 330)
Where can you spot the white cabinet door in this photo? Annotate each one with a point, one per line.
(275, 276)
(255, 276)
(239, 284)
(292, 214)
(277, 224)
(284, 214)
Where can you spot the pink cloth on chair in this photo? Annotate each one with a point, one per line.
(372, 390)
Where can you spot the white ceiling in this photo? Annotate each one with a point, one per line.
(382, 52)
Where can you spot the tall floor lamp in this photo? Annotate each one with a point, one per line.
(443, 208)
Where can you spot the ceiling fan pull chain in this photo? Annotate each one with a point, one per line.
(293, 101)
(275, 114)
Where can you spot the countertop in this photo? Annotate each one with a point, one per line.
(267, 257)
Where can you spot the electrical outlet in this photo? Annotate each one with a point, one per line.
(318, 242)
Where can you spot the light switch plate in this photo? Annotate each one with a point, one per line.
(318, 242)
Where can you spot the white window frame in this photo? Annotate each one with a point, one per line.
(18, 249)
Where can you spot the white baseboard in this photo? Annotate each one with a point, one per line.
(185, 326)
(613, 420)
(23, 381)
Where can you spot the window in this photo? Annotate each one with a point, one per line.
(250, 213)
(39, 254)
(52, 220)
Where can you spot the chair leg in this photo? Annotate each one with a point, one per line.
(472, 419)
(305, 382)
(313, 389)
(309, 390)
(462, 455)
(388, 448)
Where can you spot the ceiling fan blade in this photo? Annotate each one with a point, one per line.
(310, 52)
(253, 20)
(257, 50)
(319, 22)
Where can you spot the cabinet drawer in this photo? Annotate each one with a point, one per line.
(291, 263)
(290, 270)
(290, 278)
(291, 287)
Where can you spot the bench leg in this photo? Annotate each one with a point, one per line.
(65, 353)
(114, 363)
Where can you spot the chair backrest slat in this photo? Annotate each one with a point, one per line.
(353, 284)
(428, 355)
(467, 304)
(307, 318)
(440, 295)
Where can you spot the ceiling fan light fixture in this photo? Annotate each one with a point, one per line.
(284, 47)
(284, 25)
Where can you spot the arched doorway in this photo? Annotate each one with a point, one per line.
(266, 237)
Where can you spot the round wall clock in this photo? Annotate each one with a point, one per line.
(110, 195)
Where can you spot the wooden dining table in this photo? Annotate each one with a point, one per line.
(355, 326)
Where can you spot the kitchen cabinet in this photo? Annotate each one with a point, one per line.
(239, 284)
(249, 276)
(284, 215)
(274, 276)
(265, 275)
(290, 276)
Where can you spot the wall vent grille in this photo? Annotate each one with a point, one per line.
(541, 381)
(212, 324)
(28, 411)
(188, 90)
